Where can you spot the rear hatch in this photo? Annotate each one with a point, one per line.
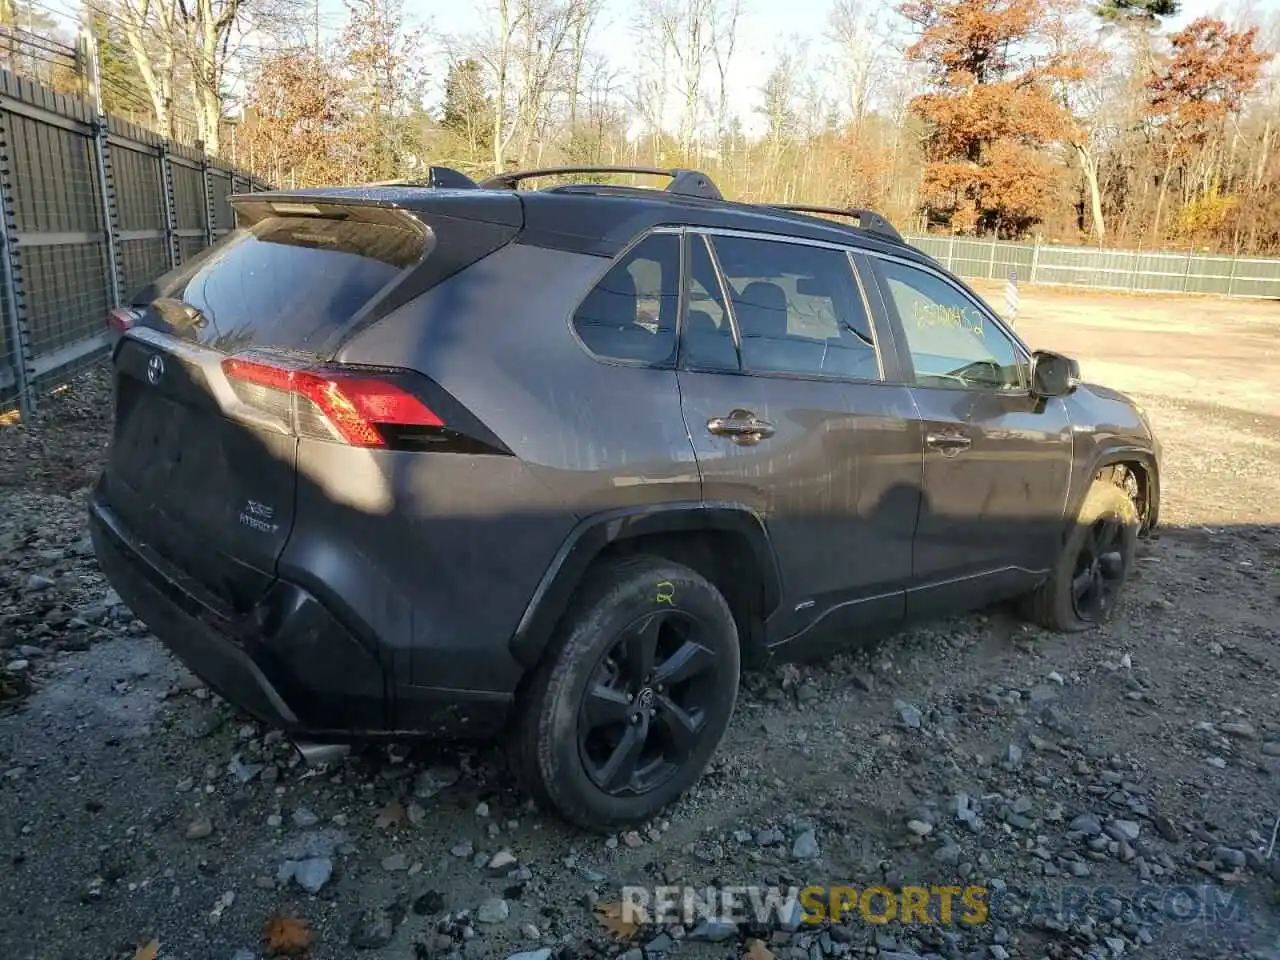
(226, 363)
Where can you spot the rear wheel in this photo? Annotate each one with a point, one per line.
(633, 696)
(1086, 582)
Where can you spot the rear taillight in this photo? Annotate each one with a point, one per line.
(120, 319)
(356, 407)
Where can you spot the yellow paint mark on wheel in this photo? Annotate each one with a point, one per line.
(666, 593)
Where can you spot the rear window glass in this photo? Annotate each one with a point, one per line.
(291, 281)
(631, 312)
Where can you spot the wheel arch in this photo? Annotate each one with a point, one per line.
(1142, 463)
(727, 543)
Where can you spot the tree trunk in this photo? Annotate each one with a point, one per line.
(1263, 155)
(156, 73)
(1164, 186)
(1089, 167)
(500, 85)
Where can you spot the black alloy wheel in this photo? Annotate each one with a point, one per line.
(645, 708)
(632, 698)
(1085, 585)
(1099, 570)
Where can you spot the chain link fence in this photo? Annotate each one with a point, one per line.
(93, 208)
(1142, 271)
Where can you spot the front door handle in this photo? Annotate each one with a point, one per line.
(949, 443)
(742, 427)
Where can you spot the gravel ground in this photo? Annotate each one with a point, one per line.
(1116, 793)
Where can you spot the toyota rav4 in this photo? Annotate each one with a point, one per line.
(449, 458)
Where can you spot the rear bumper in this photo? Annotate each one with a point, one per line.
(288, 662)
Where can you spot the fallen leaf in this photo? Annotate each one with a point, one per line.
(286, 935)
(756, 950)
(148, 951)
(611, 918)
(392, 814)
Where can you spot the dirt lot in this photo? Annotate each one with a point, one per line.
(1116, 793)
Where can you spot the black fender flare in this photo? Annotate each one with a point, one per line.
(596, 532)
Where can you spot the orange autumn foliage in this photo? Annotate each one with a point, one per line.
(1212, 70)
(990, 111)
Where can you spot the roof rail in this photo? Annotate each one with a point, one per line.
(442, 178)
(685, 183)
(868, 220)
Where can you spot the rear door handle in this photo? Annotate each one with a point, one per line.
(949, 443)
(742, 427)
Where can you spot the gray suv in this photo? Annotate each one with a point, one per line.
(449, 458)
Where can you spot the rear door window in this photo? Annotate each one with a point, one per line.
(290, 282)
(631, 313)
(708, 332)
(798, 309)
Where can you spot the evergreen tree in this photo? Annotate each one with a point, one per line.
(1141, 12)
(467, 106)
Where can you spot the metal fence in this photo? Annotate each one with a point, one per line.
(1155, 271)
(93, 208)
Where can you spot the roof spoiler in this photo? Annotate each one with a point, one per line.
(868, 220)
(685, 183)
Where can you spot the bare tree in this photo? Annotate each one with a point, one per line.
(859, 33)
(583, 17)
(545, 26)
(206, 27)
(1092, 92)
(780, 105)
(724, 42)
(150, 29)
(497, 53)
(522, 50)
(685, 29)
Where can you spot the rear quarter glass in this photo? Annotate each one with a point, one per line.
(287, 282)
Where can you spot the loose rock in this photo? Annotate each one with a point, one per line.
(493, 911)
(312, 874)
(374, 928)
(1123, 830)
(805, 846)
(429, 903)
(434, 780)
(909, 714)
(1240, 729)
(501, 860)
(714, 930)
(1166, 828)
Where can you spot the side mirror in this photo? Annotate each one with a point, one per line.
(1052, 374)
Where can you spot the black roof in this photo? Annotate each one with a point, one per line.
(599, 219)
(602, 220)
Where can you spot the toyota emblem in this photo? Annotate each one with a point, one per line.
(155, 368)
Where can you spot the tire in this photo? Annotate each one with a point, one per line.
(576, 730)
(1087, 580)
